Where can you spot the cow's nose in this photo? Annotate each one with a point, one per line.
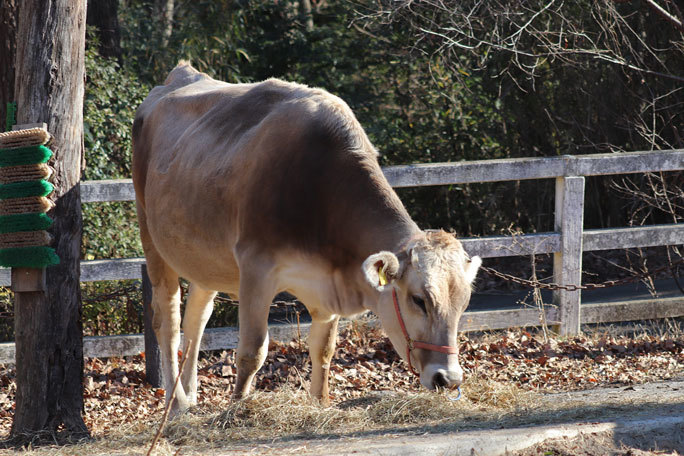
(445, 379)
(439, 380)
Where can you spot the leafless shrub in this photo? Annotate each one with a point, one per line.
(536, 32)
(609, 72)
(631, 53)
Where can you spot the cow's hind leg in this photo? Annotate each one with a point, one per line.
(322, 339)
(166, 324)
(166, 308)
(256, 293)
(197, 312)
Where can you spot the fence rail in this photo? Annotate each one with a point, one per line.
(485, 247)
(567, 242)
(421, 175)
(227, 338)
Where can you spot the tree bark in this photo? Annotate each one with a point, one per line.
(308, 15)
(103, 14)
(153, 366)
(165, 14)
(8, 47)
(48, 327)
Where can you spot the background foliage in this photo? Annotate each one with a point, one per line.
(430, 81)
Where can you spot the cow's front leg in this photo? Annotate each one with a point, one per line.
(255, 300)
(322, 339)
(252, 346)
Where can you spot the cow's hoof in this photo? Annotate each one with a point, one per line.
(324, 402)
(178, 408)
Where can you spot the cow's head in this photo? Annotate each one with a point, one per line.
(432, 279)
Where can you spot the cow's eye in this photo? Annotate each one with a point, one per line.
(417, 300)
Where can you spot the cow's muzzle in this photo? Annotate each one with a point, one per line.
(435, 376)
(440, 377)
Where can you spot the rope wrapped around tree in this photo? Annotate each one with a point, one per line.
(24, 191)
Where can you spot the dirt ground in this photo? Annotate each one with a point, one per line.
(650, 422)
(590, 445)
(515, 380)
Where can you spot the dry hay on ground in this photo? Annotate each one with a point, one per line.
(371, 391)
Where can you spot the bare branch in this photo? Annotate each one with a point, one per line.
(664, 14)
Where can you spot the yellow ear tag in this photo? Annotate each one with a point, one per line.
(383, 278)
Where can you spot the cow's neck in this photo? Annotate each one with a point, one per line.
(382, 224)
(380, 220)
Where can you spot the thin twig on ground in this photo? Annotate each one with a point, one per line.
(167, 409)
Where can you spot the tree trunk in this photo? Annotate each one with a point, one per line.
(308, 15)
(48, 327)
(165, 14)
(103, 14)
(8, 47)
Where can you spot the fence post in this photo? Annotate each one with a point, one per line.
(153, 369)
(567, 264)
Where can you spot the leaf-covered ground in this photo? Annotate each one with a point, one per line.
(116, 393)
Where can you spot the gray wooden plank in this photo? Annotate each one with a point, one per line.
(107, 190)
(115, 269)
(485, 247)
(424, 174)
(567, 263)
(641, 309)
(519, 245)
(625, 162)
(5, 277)
(418, 175)
(7, 353)
(113, 346)
(95, 270)
(640, 236)
(226, 338)
(134, 344)
(502, 319)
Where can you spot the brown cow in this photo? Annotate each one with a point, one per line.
(255, 189)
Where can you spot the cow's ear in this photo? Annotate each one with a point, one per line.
(471, 268)
(381, 269)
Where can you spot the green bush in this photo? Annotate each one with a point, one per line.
(110, 230)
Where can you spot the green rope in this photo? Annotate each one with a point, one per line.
(24, 156)
(33, 256)
(28, 257)
(11, 119)
(26, 188)
(24, 222)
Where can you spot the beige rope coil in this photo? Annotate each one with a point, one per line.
(24, 138)
(21, 173)
(24, 239)
(31, 204)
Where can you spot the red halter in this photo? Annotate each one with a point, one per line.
(411, 344)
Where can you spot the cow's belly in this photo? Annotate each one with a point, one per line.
(193, 235)
(204, 268)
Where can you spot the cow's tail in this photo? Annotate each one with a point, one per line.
(140, 159)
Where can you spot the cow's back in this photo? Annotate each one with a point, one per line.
(189, 117)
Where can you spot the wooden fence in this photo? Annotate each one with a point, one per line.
(567, 243)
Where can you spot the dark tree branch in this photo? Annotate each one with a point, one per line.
(665, 15)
